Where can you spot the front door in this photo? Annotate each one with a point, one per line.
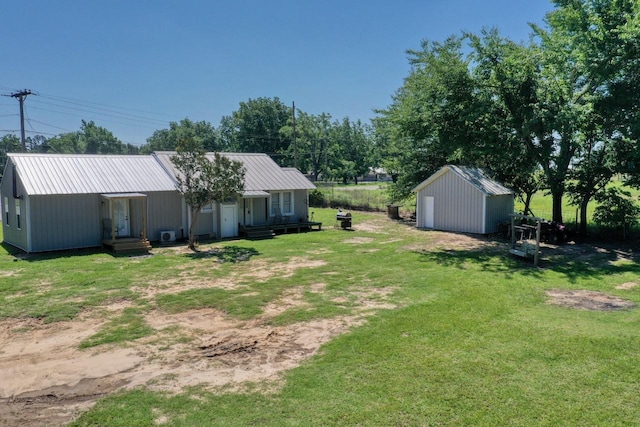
(229, 221)
(248, 208)
(121, 217)
(428, 211)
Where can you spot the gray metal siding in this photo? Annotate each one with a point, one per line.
(300, 208)
(11, 234)
(164, 213)
(64, 222)
(457, 204)
(260, 211)
(498, 210)
(205, 224)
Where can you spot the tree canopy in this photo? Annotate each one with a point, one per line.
(203, 133)
(565, 104)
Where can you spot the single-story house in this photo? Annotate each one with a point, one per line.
(462, 199)
(272, 195)
(67, 201)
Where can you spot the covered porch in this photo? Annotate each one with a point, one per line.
(123, 217)
(261, 218)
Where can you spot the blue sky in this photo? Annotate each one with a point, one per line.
(133, 66)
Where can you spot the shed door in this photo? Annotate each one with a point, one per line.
(229, 221)
(121, 217)
(428, 211)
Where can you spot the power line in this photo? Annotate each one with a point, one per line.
(51, 126)
(85, 103)
(92, 118)
(116, 114)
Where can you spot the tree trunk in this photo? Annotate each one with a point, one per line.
(192, 240)
(583, 215)
(557, 205)
(527, 203)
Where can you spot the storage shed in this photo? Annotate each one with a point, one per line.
(462, 199)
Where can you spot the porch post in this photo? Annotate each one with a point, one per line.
(144, 218)
(113, 223)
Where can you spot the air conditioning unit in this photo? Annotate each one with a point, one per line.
(167, 236)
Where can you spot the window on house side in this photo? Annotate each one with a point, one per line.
(18, 223)
(287, 203)
(207, 208)
(6, 211)
(275, 203)
(281, 203)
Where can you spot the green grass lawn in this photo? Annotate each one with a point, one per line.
(472, 341)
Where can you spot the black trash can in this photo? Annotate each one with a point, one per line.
(393, 211)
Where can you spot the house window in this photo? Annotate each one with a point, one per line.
(18, 223)
(287, 203)
(6, 211)
(275, 203)
(208, 208)
(282, 203)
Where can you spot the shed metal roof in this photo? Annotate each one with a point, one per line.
(44, 174)
(262, 173)
(473, 176)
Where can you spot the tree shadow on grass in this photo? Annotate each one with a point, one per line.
(492, 259)
(226, 254)
(596, 260)
(576, 261)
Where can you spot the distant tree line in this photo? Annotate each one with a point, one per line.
(328, 149)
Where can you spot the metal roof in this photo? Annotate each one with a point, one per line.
(473, 176)
(262, 173)
(43, 174)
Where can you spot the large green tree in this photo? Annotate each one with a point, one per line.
(202, 181)
(90, 139)
(168, 139)
(309, 147)
(431, 114)
(514, 108)
(256, 127)
(350, 150)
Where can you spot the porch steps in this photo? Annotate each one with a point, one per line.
(129, 245)
(259, 233)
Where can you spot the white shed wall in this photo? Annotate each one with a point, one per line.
(458, 205)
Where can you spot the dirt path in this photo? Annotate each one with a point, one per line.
(47, 380)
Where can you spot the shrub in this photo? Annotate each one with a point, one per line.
(616, 210)
(316, 199)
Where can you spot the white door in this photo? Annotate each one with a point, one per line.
(121, 217)
(428, 211)
(229, 221)
(248, 208)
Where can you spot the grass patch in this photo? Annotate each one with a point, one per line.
(129, 326)
(472, 341)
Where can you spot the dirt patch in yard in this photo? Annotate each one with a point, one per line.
(588, 300)
(48, 380)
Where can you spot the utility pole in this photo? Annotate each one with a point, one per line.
(21, 96)
(295, 143)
